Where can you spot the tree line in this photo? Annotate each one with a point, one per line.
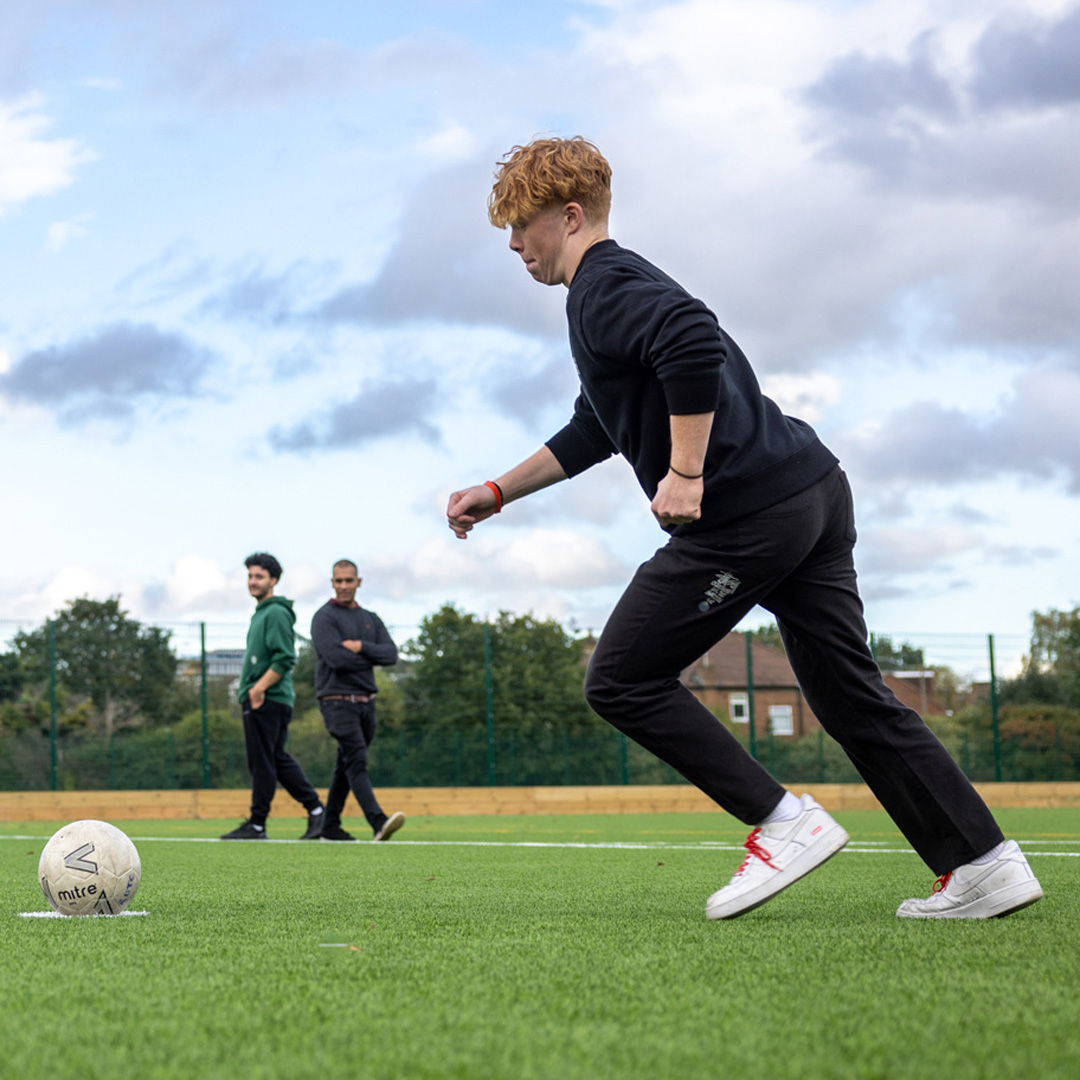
(112, 675)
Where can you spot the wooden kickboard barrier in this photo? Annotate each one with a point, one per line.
(449, 802)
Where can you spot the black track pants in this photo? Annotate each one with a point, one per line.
(352, 723)
(795, 560)
(265, 732)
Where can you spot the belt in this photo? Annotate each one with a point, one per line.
(356, 699)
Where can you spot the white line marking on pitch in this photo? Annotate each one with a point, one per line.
(856, 847)
(59, 915)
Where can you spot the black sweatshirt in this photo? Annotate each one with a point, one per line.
(646, 350)
(339, 670)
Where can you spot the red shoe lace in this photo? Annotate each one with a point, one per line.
(941, 883)
(754, 849)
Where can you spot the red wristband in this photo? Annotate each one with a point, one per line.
(497, 492)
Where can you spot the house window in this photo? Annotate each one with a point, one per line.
(781, 720)
(739, 708)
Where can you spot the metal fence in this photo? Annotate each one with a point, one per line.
(205, 748)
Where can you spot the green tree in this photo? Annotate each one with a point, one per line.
(1051, 672)
(126, 671)
(12, 677)
(537, 670)
(303, 677)
(896, 657)
(768, 635)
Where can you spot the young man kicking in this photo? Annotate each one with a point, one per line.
(758, 512)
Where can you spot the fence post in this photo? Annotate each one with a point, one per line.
(489, 705)
(750, 692)
(54, 779)
(994, 710)
(205, 709)
(624, 758)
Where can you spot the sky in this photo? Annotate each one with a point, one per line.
(250, 299)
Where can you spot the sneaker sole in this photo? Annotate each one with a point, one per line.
(823, 850)
(393, 823)
(997, 905)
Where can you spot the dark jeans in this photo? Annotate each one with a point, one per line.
(352, 723)
(265, 731)
(795, 560)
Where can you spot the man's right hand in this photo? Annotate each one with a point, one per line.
(469, 506)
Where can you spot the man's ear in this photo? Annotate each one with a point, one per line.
(574, 216)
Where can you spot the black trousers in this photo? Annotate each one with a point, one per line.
(796, 560)
(352, 723)
(265, 732)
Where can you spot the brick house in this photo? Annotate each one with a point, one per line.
(719, 680)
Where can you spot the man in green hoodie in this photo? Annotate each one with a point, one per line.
(266, 696)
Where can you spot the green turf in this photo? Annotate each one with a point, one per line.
(484, 952)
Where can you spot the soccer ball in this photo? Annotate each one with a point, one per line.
(89, 868)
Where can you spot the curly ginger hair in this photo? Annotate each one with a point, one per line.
(545, 173)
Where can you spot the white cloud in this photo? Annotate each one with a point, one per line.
(805, 396)
(32, 165)
(544, 558)
(900, 550)
(451, 143)
(197, 587)
(33, 601)
(197, 583)
(61, 233)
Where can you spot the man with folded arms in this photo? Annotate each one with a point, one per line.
(349, 643)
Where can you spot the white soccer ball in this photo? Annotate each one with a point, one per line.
(89, 868)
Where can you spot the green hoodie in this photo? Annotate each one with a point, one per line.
(270, 644)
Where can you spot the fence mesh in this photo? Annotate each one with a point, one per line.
(955, 677)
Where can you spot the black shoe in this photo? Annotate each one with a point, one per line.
(389, 826)
(246, 831)
(314, 826)
(335, 832)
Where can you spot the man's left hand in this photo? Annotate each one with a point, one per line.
(353, 646)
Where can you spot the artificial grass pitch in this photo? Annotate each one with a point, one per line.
(556, 947)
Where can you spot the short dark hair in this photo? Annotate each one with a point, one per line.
(346, 562)
(267, 562)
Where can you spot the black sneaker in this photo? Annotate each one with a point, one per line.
(246, 831)
(335, 832)
(314, 826)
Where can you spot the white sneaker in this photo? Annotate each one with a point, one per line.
(390, 826)
(988, 891)
(777, 856)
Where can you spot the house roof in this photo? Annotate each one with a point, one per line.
(724, 665)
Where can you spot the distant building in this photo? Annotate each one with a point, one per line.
(224, 662)
(220, 663)
(720, 681)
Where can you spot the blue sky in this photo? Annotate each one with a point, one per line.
(250, 299)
